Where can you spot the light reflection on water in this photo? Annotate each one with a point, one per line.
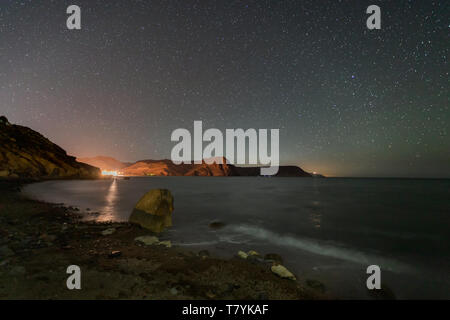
(109, 210)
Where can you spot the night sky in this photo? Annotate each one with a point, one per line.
(348, 101)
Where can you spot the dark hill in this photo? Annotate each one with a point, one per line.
(25, 153)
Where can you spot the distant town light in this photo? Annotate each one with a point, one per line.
(109, 173)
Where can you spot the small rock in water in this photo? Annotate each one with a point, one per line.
(252, 253)
(242, 254)
(108, 231)
(114, 254)
(282, 272)
(166, 243)
(216, 225)
(147, 240)
(174, 291)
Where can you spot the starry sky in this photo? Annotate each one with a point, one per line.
(348, 101)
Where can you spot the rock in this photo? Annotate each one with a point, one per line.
(253, 253)
(108, 231)
(4, 120)
(147, 240)
(166, 243)
(173, 291)
(114, 254)
(242, 254)
(216, 225)
(282, 272)
(316, 285)
(203, 253)
(274, 257)
(154, 210)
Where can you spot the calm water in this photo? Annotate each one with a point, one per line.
(325, 229)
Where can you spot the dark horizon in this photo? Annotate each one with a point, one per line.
(348, 101)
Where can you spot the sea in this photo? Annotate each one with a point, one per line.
(326, 229)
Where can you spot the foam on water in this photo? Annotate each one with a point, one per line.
(316, 247)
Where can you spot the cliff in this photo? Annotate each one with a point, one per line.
(25, 153)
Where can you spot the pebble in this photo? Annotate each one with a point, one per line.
(108, 231)
(242, 254)
(147, 240)
(252, 253)
(282, 272)
(115, 254)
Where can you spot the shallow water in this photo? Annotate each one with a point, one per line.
(325, 229)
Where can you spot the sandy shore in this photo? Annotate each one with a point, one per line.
(40, 240)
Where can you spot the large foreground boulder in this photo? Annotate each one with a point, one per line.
(154, 210)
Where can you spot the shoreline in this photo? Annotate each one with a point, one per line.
(40, 240)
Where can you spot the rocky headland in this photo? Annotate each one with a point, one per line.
(25, 153)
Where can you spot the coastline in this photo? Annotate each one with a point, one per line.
(40, 240)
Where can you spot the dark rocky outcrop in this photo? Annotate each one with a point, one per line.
(25, 153)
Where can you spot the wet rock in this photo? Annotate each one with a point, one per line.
(166, 243)
(316, 285)
(174, 291)
(282, 272)
(216, 225)
(242, 254)
(114, 254)
(154, 210)
(108, 231)
(253, 253)
(147, 240)
(273, 257)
